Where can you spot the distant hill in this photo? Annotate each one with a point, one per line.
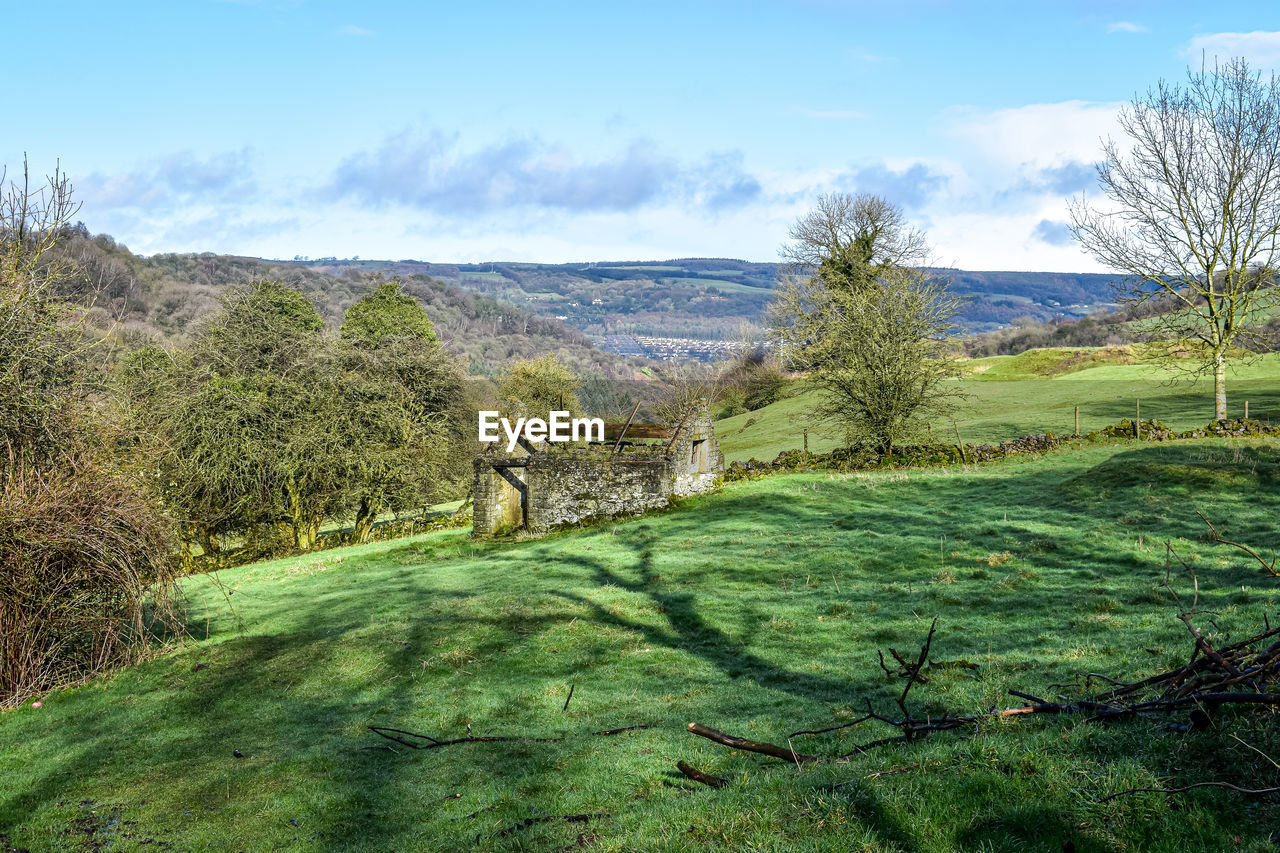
(164, 295)
(998, 298)
(713, 298)
(494, 312)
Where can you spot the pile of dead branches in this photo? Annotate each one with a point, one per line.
(1244, 673)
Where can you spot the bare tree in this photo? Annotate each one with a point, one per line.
(39, 342)
(1194, 211)
(845, 238)
(32, 217)
(688, 386)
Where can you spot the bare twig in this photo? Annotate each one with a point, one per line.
(1217, 537)
(1172, 791)
(607, 732)
(400, 735)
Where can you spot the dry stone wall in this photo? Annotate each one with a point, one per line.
(564, 488)
(495, 502)
(569, 491)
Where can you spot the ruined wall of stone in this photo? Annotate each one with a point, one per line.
(496, 503)
(696, 461)
(568, 491)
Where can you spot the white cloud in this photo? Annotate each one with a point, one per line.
(1126, 27)
(179, 179)
(910, 187)
(996, 200)
(1007, 241)
(1036, 136)
(430, 171)
(353, 30)
(1262, 49)
(1008, 177)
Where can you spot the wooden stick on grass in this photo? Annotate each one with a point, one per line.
(569, 698)
(698, 776)
(770, 749)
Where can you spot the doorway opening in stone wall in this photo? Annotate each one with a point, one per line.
(698, 455)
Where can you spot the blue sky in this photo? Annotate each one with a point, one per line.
(560, 132)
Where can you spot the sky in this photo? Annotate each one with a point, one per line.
(559, 132)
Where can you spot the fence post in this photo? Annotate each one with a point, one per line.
(959, 442)
(806, 441)
(1077, 432)
(1246, 410)
(1137, 424)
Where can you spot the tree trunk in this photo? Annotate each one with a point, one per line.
(365, 518)
(1219, 388)
(208, 541)
(308, 533)
(305, 524)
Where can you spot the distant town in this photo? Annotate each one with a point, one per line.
(670, 349)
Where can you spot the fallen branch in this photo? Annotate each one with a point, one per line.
(399, 735)
(772, 750)
(567, 818)
(433, 743)
(1217, 537)
(607, 732)
(698, 776)
(1239, 674)
(1172, 791)
(890, 772)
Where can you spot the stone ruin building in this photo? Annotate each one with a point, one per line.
(639, 467)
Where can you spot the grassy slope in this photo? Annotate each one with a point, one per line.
(757, 610)
(1032, 392)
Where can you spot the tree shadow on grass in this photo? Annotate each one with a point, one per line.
(1111, 493)
(247, 691)
(256, 694)
(1179, 404)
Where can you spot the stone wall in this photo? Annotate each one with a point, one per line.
(695, 459)
(568, 488)
(496, 503)
(568, 491)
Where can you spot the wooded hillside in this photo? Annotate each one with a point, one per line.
(165, 295)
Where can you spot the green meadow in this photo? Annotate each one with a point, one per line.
(719, 284)
(757, 610)
(1036, 391)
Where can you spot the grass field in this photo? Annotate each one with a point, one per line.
(757, 610)
(1029, 393)
(718, 284)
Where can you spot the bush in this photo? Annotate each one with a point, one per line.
(85, 562)
(763, 386)
(85, 575)
(732, 402)
(751, 382)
